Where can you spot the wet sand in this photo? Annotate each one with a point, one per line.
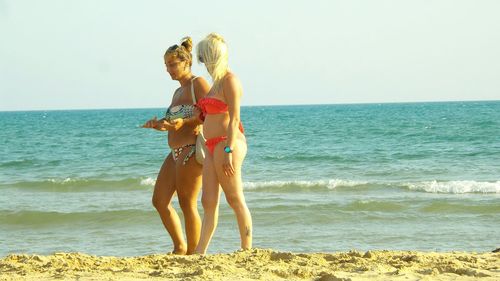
(257, 264)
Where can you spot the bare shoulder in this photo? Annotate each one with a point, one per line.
(232, 84)
(201, 87)
(200, 82)
(231, 79)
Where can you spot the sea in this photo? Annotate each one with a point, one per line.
(317, 178)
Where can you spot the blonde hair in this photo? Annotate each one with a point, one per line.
(182, 51)
(213, 52)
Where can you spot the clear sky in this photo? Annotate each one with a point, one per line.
(74, 54)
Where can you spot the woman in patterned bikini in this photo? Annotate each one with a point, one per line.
(226, 143)
(180, 171)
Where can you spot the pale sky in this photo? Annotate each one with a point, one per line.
(78, 54)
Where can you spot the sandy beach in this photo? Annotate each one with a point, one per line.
(257, 264)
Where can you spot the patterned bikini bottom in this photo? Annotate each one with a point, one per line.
(176, 152)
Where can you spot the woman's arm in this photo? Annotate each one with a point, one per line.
(160, 125)
(201, 88)
(232, 92)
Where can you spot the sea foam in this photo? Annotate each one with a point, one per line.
(148, 181)
(457, 187)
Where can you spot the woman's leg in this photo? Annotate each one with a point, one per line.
(210, 201)
(233, 188)
(162, 197)
(188, 183)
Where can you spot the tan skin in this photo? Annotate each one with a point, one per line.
(224, 169)
(174, 176)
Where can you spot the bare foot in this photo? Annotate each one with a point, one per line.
(179, 250)
(199, 252)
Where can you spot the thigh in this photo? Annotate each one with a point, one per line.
(211, 187)
(231, 185)
(187, 177)
(165, 182)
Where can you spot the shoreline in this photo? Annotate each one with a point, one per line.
(257, 264)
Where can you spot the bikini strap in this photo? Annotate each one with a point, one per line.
(192, 90)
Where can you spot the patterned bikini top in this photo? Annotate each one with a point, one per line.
(183, 111)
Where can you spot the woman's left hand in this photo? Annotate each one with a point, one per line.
(177, 123)
(228, 164)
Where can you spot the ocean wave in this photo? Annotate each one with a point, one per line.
(330, 184)
(66, 180)
(451, 187)
(17, 163)
(44, 218)
(461, 207)
(300, 184)
(90, 184)
(374, 205)
(81, 184)
(456, 187)
(128, 184)
(308, 158)
(148, 181)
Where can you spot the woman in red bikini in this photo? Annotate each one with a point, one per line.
(226, 143)
(180, 172)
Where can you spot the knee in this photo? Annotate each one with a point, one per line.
(235, 202)
(155, 202)
(187, 204)
(209, 203)
(160, 204)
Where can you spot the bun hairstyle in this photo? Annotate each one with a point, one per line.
(182, 51)
(213, 52)
(187, 43)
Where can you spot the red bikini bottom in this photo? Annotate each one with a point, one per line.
(211, 143)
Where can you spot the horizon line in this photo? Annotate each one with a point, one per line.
(257, 105)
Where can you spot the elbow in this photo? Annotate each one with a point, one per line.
(234, 122)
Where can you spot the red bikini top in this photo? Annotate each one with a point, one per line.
(213, 106)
